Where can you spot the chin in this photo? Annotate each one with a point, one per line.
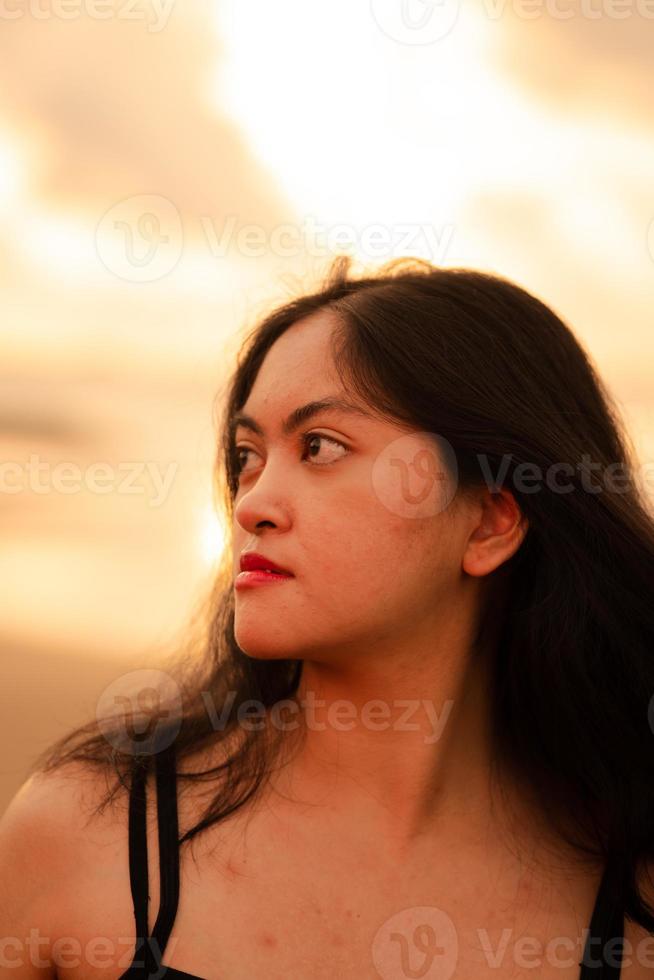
(260, 647)
(266, 653)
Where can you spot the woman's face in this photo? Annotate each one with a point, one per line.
(366, 524)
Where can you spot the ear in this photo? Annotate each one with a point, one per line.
(499, 528)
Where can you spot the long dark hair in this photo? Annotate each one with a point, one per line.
(493, 370)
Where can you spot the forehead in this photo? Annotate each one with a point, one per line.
(298, 379)
(299, 368)
(301, 359)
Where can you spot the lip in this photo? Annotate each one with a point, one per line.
(252, 561)
(247, 580)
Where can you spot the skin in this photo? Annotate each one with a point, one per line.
(364, 631)
(366, 822)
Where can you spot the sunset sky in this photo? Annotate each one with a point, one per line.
(169, 170)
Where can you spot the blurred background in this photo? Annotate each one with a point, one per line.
(171, 168)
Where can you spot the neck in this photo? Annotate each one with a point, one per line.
(397, 743)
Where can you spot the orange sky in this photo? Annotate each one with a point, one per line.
(522, 145)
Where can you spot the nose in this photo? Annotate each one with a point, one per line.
(265, 502)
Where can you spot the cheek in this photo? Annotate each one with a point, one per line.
(346, 546)
(415, 476)
(363, 550)
(370, 553)
(411, 563)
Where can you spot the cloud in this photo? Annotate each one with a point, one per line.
(582, 65)
(112, 110)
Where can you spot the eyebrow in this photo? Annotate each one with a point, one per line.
(299, 415)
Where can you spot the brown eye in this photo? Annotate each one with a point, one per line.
(240, 454)
(311, 436)
(238, 462)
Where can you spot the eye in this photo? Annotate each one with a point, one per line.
(308, 438)
(311, 436)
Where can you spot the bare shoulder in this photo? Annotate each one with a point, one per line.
(65, 867)
(51, 817)
(59, 848)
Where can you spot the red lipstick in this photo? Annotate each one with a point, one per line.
(257, 569)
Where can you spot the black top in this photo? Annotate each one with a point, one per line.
(599, 962)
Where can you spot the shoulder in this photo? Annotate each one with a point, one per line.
(45, 810)
(60, 803)
(51, 814)
(54, 843)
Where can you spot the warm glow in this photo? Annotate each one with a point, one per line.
(389, 134)
(13, 177)
(474, 150)
(212, 537)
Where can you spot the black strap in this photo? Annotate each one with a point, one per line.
(607, 921)
(138, 871)
(168, 850)
(606, 924)
(149, 949)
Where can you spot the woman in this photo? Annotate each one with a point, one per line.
(426, 744)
